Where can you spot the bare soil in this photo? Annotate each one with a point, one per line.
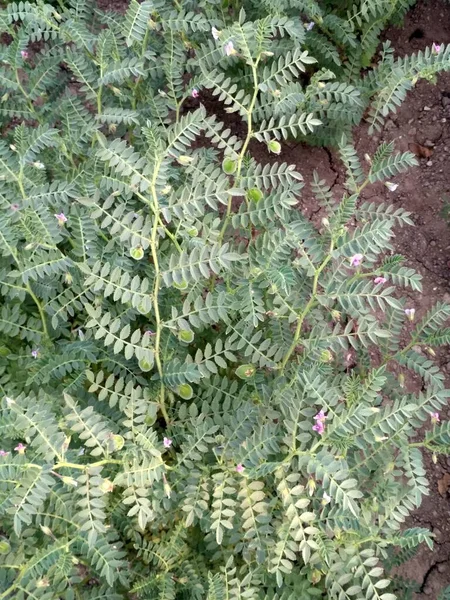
(424, 120)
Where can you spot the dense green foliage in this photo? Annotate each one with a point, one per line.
(198, 388)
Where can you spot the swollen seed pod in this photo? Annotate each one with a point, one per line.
(185, 391)
(186, 336)
(254, 194)
(137, 252)
(245, 371)
(274, 146)
(145, 364)
(229, 165)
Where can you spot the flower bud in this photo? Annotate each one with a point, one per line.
(69, 481)
(184, 160)
(311, 486)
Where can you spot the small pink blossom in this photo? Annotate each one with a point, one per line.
(24, 54)
(14, 207)
(310, 26)
(321, 416)
(356, 260)
(150, 332)
(319, 427)
(378, 280)
(195, 93)
(435, 418)
(3, 453)
(167, 442)
(229, 48)
(436, 48)
(240, 468)
(61, 219)
(35, 353)
(20, 448)
(410, 313)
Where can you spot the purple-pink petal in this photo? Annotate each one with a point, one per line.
(319, 427)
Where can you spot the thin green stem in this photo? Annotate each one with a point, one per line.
(245, 145)
(40, 309)
(99, 463)
(307, 308)
(161, 224)
(154, 251)
(27, 98)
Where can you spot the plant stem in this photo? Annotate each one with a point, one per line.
(99, 463)
(154, 251)
(245, 145)
(307, 308)
(40, 309)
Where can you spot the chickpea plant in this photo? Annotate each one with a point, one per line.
(198, 396)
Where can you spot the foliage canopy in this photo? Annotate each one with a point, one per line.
(172, 327)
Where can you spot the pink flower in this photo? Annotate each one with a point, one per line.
(215, 33)
(195, 93)
(410, 313)
(3, 453)
(229, 48)
(310, 26)
(14, 207)
(20, 448)
(240, 468)
(378, 280)
(61, 219)
(321, 416)
(167, 442)
(319, 427)
(24, 54)
(35, 353)
(356, 260)
(435, 417)
(436, 48)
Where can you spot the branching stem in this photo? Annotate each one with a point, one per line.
(308, 307)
